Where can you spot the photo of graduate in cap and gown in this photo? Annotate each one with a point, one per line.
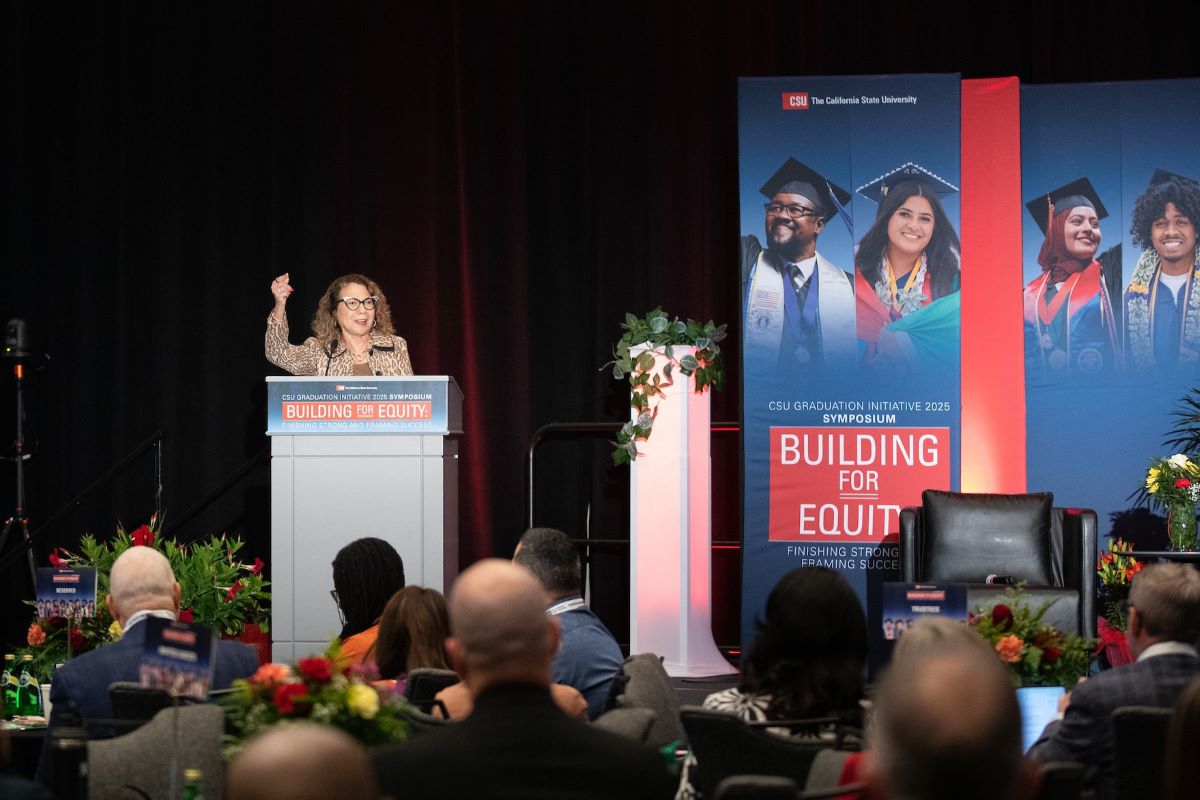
(906, 275)
(1162, 303)
(1070, 330)
(799, 312)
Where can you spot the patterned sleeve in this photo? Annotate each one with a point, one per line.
(406, 367)
(296, 359)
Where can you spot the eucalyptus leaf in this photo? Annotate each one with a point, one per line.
(618, 373)
(703, 343)
(646, 361)
(689, 363)
(658, 324)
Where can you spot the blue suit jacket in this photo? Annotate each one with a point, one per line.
(1085, 732)
(81, 684)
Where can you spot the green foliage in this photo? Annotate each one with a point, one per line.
(220, 591)
(1037, 653)
(659, 334)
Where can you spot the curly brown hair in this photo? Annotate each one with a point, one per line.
(324, 322)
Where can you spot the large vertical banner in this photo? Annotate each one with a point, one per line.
(850, 275)
(1111, 306)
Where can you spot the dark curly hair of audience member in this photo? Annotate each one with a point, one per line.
(366, 573)
(809, 652)
(941, 255)
(412, 632)
(1152, 204)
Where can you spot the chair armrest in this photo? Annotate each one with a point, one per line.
(912, 528)
(1079, 562)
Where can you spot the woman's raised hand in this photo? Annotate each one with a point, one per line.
(280, 289)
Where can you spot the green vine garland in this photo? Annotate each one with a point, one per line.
(659, 334)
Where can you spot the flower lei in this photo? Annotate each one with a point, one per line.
(904, 300)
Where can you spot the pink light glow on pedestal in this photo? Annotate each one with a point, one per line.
(670, 602)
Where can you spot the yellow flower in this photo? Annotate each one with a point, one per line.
(1152, 476)
(362, 701)
(1151, 487)
(114, 631)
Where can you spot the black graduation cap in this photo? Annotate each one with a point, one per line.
(908, 171)
(1078, 192)
(797, 178)
(1161, 176)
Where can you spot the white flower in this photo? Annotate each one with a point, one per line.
(1178, 460)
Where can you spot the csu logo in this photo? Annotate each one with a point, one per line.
(795, 101)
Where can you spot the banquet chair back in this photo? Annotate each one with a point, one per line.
(1062, 780)
(133, 702)
(151, 760)
(756, 787)
(423, 684)
(1139, 738)
(642, 682)
(725, 746)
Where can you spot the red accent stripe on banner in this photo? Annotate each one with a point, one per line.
(993, 367)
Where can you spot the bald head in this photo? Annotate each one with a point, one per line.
(498, 622)
(947, 725)
(301, 761)
(141, 580)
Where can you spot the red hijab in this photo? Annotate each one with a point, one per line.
(1053, 257)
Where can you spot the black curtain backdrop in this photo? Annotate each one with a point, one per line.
(515, 175)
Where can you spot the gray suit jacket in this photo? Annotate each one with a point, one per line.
(1084, 734)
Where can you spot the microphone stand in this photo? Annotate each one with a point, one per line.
(19, 519)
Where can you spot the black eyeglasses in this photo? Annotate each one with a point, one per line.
(333, 593)
(353, 303)
(795, 212)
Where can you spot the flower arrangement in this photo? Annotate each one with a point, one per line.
(1116, 570)
(218, 591)
(315, 690)
(1174, 483)
(1037, 653)
(659, 334)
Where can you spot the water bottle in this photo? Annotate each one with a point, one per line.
(9, 683)
(29, 692)
(193, 784)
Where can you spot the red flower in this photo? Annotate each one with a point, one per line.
(1135, 567)
(56, 561)
(186, 615)
(143, 536)
(79, 642)
(291, 697)
(258, 566)
(36, 635)
(233, 590)
(1002, 616)
(1051, 654)
(317, 670)
(1182, 483)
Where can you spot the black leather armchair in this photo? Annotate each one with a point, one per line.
(963, 538)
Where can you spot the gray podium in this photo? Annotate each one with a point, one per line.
(353, 457)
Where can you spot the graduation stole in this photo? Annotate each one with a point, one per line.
(1052, 325)
(1140, 300)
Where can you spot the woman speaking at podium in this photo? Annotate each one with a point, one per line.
(352, 329)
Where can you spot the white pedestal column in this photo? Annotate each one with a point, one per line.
(671, 530)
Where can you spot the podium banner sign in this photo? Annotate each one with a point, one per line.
(356, 404)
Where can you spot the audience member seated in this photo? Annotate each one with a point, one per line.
(141, 585)
(366, 573)
(516, 743)
(412, 634)
(301, 761)
(1164, 625)
(1182, 778)
(589, 657)
(805, 661)
(946, 724)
